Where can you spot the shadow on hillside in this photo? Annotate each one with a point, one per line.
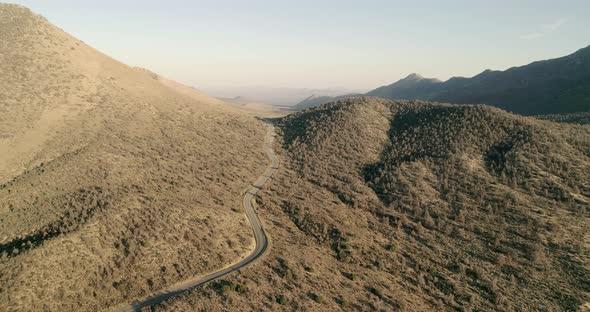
(88, 202)
(269, 120)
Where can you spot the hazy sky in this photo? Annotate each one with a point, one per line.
(318, 44)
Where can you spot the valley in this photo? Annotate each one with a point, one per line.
(122, 189)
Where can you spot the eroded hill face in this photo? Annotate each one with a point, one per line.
(413, 206)
(114, 183)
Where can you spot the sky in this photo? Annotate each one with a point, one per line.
(353, 45)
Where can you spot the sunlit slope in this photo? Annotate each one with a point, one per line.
(51, 80)
(114, 182)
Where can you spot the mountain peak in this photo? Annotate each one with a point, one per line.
(414, 76)
(521, 89)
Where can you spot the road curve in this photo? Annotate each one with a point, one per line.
(259, 236)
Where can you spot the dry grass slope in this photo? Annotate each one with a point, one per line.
(114, 182)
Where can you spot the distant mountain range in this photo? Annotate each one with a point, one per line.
(277, 96)
(560, 85)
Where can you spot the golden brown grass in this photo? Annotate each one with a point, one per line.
(114, 182)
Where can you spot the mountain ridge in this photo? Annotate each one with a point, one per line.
(552, 86)
(559, 85)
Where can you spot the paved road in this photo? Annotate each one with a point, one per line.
(259, 235)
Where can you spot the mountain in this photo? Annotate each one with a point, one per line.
(412, 87)
(560, 85)
(411, 206)
(556, 86)
(114, 181)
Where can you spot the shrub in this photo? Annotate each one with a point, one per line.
(350, 275)
(280, 299)
(375, 292)
(316, 297)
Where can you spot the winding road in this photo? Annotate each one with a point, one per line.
(259, 236)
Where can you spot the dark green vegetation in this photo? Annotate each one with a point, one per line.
(560, 85)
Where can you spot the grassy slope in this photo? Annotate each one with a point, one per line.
(420, 207)
(113, 182)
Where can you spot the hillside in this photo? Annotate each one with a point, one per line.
(560, 85)
(412, 206)
(114, 182)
